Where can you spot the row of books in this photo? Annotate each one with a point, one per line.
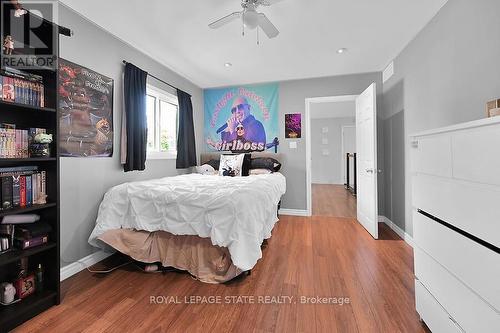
(22, 88)
(14, 143)
(22, 187)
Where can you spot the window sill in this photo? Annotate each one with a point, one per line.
(161, 156)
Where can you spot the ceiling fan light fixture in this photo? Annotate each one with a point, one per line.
(250, 19)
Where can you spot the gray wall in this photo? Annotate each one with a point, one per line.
(292, 100)
(85, 180)
(443, 77)
(327, 169)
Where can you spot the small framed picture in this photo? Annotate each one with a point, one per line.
(293, 126)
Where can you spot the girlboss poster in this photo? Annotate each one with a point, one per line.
(242, 119)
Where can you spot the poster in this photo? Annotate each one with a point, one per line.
(293, 126)
(85, 112)
(242, 119)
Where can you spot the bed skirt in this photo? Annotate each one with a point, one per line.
(207, 262)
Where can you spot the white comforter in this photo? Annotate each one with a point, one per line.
(235, 212)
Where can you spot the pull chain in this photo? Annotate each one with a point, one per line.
(258, 41)
(243, 24)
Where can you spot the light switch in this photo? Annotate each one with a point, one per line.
(324, 141)
(326, 152)
(325, 129)
(293, 145)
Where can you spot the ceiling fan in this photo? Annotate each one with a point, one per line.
(250, 18)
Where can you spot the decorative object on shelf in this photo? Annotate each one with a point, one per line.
(8, 45)
(41, 145)
(7, 293)
(293, 126)
(25, 286)
(86, 111)
(493, 108)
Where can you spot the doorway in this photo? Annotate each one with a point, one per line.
(333, 135)
(366, 157)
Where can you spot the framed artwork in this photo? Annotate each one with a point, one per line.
(293, 126)
(242, 119)
(85, 112)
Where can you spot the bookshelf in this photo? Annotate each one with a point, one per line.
(26, 117)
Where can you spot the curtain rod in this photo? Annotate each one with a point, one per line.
(157, 78)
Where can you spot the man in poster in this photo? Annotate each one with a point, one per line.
(254, 131)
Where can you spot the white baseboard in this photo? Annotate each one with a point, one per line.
(83, 263)
(400, 232)
(293, 212)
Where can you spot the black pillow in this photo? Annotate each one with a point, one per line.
(247, 163)
(214, 164)
(268, 163)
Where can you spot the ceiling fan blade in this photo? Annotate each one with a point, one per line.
(270, 30)
(269, 2)
(225, 20)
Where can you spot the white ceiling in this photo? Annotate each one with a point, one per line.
(333, 110)
(176, 33)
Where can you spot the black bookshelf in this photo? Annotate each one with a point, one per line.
(25, 117)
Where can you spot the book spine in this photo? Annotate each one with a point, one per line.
(16, 191)
(22, 191)
(29, 194)
(42, 96)
(44, 187)
(29, 243)
(34, 189)
(6, 192)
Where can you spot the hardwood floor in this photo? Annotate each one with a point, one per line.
(332, 200)
(306, 257)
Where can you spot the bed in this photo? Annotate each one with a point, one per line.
(209, 225)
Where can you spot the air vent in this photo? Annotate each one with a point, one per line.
(388, 72)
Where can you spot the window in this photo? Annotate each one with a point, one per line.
(162, 112)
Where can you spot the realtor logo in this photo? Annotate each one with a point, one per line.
(29, 33)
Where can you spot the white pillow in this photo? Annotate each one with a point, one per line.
(260, 171)
(231, 165)
(205, 169)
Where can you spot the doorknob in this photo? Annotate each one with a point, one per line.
(369, 170)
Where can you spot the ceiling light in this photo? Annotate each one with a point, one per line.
(228, 64)
(342, 50)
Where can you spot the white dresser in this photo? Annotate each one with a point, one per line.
(456, 226)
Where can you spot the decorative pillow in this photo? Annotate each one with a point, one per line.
(231, 165)
(265, 163)
(205, 169)
(214, 163)
(260, 171)
(247, 162)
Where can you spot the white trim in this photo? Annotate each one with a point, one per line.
(400, 232)
(293, 212)
(82, 264)
(308, 102)
(467, 125)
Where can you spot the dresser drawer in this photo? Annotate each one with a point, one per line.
(432, 313)
(471, 312)
(475, 265)
(471, 207)
(432, 155)
(476, 155)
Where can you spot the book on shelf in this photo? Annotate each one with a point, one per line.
(24, 244)
(22, 88)
(15, 143)
(22, 187)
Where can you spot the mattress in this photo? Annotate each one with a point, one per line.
(233, 212)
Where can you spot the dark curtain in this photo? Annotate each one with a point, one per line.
(135, 117)
(186, 145)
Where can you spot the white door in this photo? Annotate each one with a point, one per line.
(366, 143)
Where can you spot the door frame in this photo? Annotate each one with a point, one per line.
(309, 102)
(342, 161)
